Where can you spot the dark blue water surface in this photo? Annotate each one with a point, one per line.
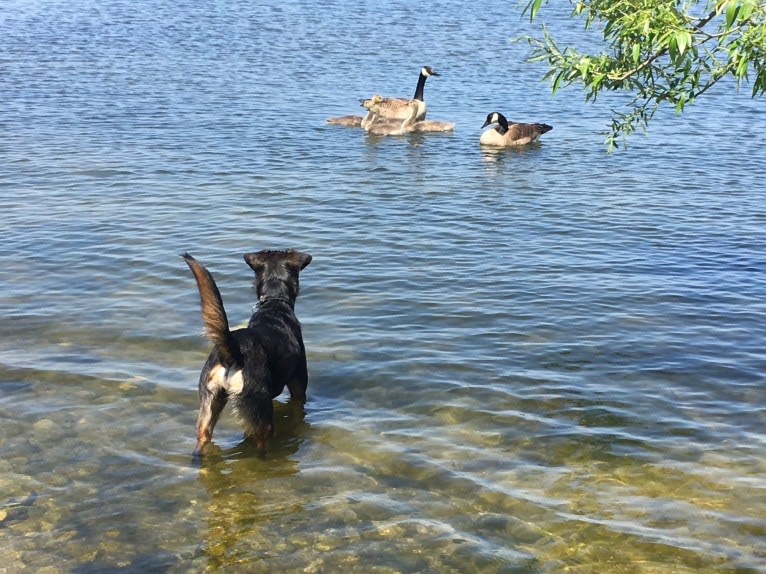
(543, 360)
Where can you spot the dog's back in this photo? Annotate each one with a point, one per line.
(252, 365)
(276, 331)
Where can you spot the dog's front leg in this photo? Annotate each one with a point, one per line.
(257, 412)
(299, 382)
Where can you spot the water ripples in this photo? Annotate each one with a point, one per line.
(535, 360)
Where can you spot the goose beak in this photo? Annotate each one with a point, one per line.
(486, 123)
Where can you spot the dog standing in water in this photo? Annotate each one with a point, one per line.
(251, 366)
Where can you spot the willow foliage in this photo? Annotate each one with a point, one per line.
(661, 51)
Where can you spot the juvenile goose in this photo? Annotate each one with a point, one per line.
(347, 121)
(373, 110)
(432, 126)
(357, 121)
(397, 108)
(390, 127)
(508, 134)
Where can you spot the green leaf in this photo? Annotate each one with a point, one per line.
(533, 6)
(583, 66)
(683, 39)
(741, 71)
(731, 13)
(747, 9)
(759, 85)
(673, 47)
(665, 52)
(556, 82)
(596, 81)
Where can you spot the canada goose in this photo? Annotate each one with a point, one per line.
(358, 121)
(346, 121)
(381, 126)
(398, 109)
(373, 103)
(510, 133)
(432, 126)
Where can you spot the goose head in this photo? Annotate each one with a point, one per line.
(373, 102)
(495, 118)
(427, 71)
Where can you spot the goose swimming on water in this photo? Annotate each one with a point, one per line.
(358, 121)
(373, 111)
(432, 126)
(380, 126)
(398, 108)
(507, 134)
(347, 121)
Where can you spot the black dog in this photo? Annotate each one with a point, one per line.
(252, 365)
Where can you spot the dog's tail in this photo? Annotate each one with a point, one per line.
(213, 313)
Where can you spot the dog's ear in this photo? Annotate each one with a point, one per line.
(301, 260)
(255, 261)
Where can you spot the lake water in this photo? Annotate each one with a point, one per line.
(546, 360)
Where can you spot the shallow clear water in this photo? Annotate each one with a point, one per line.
(542, 360)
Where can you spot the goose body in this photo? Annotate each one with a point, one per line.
(373, 106)
(508, 134)
(398, 108)
(347, 121)
(381, 126)
(355, 121)
(432, 126)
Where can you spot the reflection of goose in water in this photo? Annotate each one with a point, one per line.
(398, 108)
(507, 134)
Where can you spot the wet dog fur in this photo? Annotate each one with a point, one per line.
(251, 366)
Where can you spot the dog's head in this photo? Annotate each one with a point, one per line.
(276, 273)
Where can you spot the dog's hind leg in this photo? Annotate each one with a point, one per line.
(211, 404)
